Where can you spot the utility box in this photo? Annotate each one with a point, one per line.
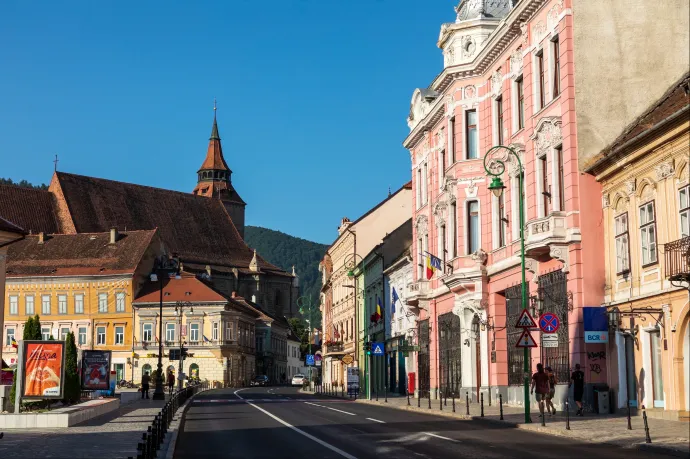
(411, 378)
(601, 399)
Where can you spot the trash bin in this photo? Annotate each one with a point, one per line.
(601, 398)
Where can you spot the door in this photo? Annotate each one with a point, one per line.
(119, 372)
(657, 372)
(423, 362)
(450, 354)
(392, 372)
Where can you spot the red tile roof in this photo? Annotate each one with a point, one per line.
(188, 288)
(197, 228)
(77, 254)
(10, 227)
(28, 208)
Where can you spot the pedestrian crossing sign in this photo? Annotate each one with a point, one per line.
(526, 340)
(525, 320)
(377, 348)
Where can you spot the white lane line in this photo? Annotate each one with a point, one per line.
(300, 431)
(309, 403)
(376, 420)
(441, 437)
(329, 408)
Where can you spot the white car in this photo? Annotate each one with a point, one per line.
(298, 380)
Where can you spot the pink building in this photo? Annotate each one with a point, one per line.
(507, 80)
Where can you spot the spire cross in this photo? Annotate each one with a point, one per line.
(55, 161)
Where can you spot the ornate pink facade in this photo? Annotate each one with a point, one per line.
(507, 80)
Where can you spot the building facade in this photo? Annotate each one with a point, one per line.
(646, 200)
(507, 80)
(9, 233)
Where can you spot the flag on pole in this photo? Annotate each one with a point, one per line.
(395, 300)
(379, 309)
(14, 343)
(206, 340)
(336, 335)
(432, 264)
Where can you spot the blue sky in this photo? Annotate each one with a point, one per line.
(312, 96)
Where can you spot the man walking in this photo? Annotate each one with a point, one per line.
(578, 377)
(541, 381)
(145, 380)
(171, 381)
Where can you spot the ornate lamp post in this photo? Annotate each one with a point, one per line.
(163, 267)
(179, 311)
(494, 165)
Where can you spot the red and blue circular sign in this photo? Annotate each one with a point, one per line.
(549, 323)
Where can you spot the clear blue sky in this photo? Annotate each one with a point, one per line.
(312, 96)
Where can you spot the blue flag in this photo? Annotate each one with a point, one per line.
(395, 299)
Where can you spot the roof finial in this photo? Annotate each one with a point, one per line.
(55, 162)
(214, 131)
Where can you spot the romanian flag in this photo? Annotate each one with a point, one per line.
(378, 314)
(14, 343)
(432, 264)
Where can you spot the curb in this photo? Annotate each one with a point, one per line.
(653, 447)
(168, 448)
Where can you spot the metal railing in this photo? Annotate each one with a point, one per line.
(152, 439)
(677, 257)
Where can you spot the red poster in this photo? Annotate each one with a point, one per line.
(43, 369)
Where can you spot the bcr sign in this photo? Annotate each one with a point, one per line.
(596, 337)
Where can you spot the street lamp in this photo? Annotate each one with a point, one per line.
(163, 267)
(494, 165)
(304, 305)
(179, 312)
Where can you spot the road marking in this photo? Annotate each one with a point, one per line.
(376, 420)
(441, 437)
(300, 431)
(329, 408)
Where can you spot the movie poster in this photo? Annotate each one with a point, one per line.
(95, 370)
(44, 369)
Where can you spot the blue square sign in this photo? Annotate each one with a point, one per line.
(310, 360)
(377, 348)
(596, 325)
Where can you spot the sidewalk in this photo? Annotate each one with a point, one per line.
(670, 437)
(114, 435)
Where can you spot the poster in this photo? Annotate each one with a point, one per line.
(44, 369)
(95, 370)
(353, 381)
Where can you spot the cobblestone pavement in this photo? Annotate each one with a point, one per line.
(667, 436)
(112, 436)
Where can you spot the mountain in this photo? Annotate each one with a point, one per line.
(285, 251)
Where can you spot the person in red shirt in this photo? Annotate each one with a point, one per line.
(540, 380)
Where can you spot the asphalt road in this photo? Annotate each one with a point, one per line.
(279, 422)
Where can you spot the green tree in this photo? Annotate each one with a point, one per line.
(72, 386)
(36, 332)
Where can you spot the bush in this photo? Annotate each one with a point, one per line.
(72, 383)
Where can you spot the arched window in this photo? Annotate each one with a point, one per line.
(194, 371)
(146, 369)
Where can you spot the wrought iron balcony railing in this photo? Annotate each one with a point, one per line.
(677, 254)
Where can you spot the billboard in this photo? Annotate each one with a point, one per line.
(596, 324)
(95, 370)
(43, 369)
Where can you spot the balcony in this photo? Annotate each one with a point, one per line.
(677, 258)
(548, 237)
(153, 346)
(416, 291)
(334, 348)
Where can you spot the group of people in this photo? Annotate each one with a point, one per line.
(146, 381)
(545, 380)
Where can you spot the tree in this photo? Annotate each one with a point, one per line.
(301, 330)
(72, 386)
(36, 332)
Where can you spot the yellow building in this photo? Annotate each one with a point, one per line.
(80, 283)
(646, 200)
(9, 233)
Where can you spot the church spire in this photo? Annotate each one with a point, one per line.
(214, 131)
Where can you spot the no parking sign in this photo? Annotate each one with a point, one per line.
(549, 322)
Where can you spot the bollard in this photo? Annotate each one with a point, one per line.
(376, 391)
(489, 397)
(453, 398)
(144, 446)
(440, 402)
(445, 399)
(567, 415)
(481, 404)
(467, 403)
(429, 399)
(543, 418)
(500, 405)
(154, 432)
(408, 398)
(419, 400)
(385, 393)
(149, 439)
(629, 424)
(140, 451)
(342, 390)
(647, 438)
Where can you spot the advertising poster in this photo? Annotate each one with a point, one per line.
(44, 369)
(353, 381)
(95, 370)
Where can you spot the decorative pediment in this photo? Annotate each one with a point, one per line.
(516, 62)
(620, 201)
(496, 83)
(471, 190)
(646, 188)
(470, 91)
(448, 183)
(439, 211)
(547, 135)
(524, 33)
(630, 186)
(664, 170)
(422, 223)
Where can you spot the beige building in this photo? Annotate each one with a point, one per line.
(338, 303)
(9, 233)
(646, 200)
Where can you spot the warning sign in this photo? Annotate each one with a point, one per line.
(525, 320)
(526, 340)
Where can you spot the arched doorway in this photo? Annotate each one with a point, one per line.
(194, 371)
(146, 369)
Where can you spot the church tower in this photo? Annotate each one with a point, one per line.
(214, 179)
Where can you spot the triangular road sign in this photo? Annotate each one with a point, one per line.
(526, 340)
(525, 320)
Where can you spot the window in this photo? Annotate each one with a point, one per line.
(442, 160)
(472, 227)
(471, 134)
(425, 188)
(147, 333)
(684, 204)
(82, 336)
(100, 335)
(519, 87)
(29, 305)
(63, 333)
(444, 247)
(62, 304)
(79, 304)
(45, 302)
(451, 141)
(14, 304)
(622, 243)
(426, 249)
(499, 120)
(45, 333)
(214, 331)
(555, 52)
(102, 302)
(648, 233)
(540, 79)
(454, 230)
(170, 332)
(420, 265)
(194, 332)
(9, 336)
(545, 187)
(419, 187)
(120, 302)
(561, 178)
(501, 217)
(120, 335)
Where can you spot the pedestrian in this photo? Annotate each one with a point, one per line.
(145, 380)
(171, 381)
(578, 378)
(540, 380)
(552, 391)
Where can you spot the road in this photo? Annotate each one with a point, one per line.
(280, 422)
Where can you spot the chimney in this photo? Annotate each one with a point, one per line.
(113, 235)
(41, 237)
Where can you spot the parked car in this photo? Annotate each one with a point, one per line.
(260, 381)
(299, 380)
